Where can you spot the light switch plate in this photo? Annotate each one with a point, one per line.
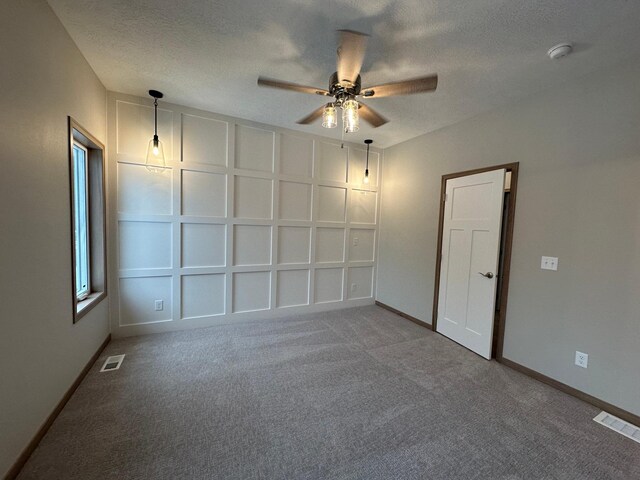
(549, 263)
(159, 305)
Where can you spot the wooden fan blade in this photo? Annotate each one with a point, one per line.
(270, 82)
(404, 87)
(312, 117)
(351, 48)
(369, 115)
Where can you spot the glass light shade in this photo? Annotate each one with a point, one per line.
(329, 116)
(155, 156)
(350, 118)
(365, 180)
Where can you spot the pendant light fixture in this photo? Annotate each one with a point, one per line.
(155, 151)
(365, 180)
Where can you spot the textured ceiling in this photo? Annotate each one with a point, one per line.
(208, 53)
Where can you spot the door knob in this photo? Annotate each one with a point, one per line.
(488, 274)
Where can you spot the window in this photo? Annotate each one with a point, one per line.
(81, 219)
(86, 160)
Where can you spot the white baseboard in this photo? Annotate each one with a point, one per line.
(119, 331)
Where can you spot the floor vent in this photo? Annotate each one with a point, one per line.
(614, 423)
(112, 363)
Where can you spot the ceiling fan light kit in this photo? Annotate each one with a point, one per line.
(330, 116)
(345, 87)
(350, 117)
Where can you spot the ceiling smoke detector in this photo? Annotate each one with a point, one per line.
(560, 50)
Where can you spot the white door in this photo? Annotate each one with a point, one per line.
(470, 251)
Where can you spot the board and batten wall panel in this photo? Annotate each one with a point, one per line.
(247, 221)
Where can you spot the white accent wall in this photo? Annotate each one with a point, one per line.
(248, 220)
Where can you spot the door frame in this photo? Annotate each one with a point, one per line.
(504, 291)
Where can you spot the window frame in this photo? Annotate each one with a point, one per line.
(96, 219)
(85, 293)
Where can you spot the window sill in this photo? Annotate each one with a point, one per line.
(85, 306)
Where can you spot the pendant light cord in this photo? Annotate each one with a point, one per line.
(367, 166)
(155, 104)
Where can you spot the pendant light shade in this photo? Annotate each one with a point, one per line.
(350, 119)
(155, 156)
(330, 116)
(155, 161)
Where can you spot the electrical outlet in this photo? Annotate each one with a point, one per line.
(549, 263)
(354, 287)
(582, 359)
(159, 305)
(355, 241)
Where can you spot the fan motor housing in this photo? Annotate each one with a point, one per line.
(338, 88)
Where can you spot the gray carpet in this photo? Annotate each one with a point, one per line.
(351, 394)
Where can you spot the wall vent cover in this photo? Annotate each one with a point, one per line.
(614, 423)
(112, 363)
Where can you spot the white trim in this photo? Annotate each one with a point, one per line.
(87, 290)
(176, 271)
(276, 313)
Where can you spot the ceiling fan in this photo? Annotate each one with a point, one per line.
(345, 87)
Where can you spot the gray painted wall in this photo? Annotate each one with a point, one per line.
(44, 78)
(578, 199)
